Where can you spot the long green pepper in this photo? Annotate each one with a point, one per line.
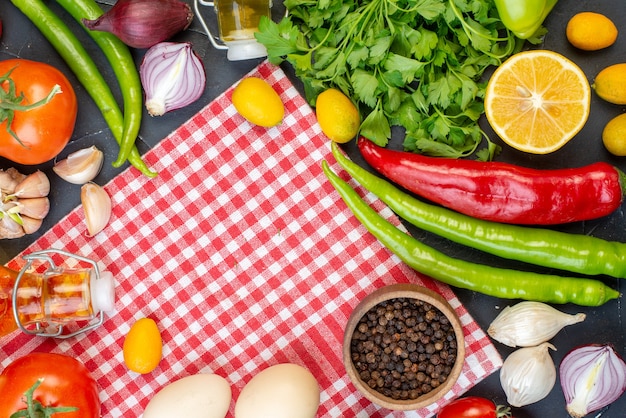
(542, 247)
(492, 281)
(125, 70)
(71, 50)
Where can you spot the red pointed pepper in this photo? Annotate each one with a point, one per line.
(503, 192)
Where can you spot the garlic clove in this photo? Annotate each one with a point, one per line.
(530, 323)
(33, 185)
(96, 206)
(10, 229)
(9, 179)
(80, 167)
(30, 225)
(528, 375)
(36, 207)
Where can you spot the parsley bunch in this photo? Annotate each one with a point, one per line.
(417, 64)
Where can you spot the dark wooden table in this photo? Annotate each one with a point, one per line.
(605, 324)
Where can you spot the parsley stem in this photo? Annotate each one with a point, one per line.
(470, 30)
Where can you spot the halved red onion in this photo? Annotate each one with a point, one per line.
(592, 376)
(172, 76)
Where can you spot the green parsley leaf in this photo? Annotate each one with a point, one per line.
(414, 64)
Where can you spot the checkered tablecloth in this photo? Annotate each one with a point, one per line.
(244, 255)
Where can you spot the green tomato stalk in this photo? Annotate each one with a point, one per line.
(34, 408)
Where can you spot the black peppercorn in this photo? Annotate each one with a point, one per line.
(405, 348)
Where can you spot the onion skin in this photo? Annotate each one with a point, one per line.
(592, 377)
(143, 23)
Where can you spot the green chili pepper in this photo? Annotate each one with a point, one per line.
(124, 67)
(524, 17)
(543, 247)
(85, 69)
(497, 282)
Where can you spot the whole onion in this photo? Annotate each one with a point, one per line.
(143, 23)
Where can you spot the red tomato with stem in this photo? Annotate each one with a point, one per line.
(66, 383)
(473, 407)
(38, 134)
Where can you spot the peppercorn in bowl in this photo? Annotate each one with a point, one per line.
(403, 347)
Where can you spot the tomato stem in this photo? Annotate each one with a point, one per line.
(503, 411)
(34, 408)
(10, 102)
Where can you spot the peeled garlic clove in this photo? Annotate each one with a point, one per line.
(36, 207)
(34, 185)
(97, 207)
(80, 167)
(528, 375)
(30, 225)
(530, 323)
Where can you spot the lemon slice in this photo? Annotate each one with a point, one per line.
(536, 101)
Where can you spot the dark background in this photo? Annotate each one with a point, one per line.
(20, 39)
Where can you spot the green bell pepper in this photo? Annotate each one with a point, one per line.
(524, 17)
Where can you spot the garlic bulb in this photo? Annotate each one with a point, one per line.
(528, 375)
(23, 202)
(80, 167)
(96, 206)
(530, 323)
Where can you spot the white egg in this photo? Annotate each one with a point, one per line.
(280, 391)
(195, 396)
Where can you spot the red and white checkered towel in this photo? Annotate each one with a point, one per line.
(245, 256)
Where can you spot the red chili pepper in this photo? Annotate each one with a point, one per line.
(502, 192)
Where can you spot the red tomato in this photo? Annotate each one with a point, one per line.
(44, 130)
(473, 407)
(67, 382)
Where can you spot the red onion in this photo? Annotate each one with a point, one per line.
(172, 76)
(592, 377)
(143, 23)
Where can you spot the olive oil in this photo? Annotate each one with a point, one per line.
(239, 19)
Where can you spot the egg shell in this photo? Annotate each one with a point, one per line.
(197, 396)
(280, 391)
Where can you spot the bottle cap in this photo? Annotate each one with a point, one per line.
(103, 292)
(245, 49)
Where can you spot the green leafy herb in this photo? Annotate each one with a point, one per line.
(416, 64)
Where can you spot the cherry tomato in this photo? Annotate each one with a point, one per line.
(473, 407)
(66, 382)
(44, 130)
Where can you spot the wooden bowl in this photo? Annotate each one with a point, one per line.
(408, 291)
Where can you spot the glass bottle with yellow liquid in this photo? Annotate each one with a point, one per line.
(237, 21)
(50, 303)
